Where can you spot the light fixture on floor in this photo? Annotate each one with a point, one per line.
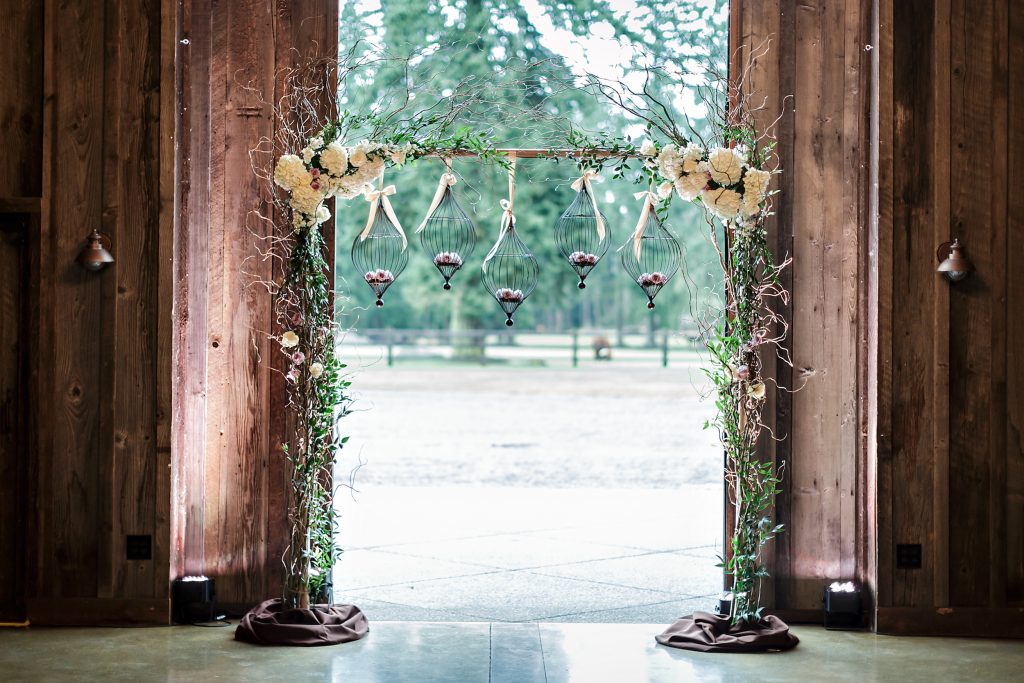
(952, 263)
(95, 254)
(843, 606)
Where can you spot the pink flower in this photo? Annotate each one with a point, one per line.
(507, 295)
(743, 372)
(652, 279)
(296, 318)
(293, 374)
(315, 184)
(315, 172)
(298, 357)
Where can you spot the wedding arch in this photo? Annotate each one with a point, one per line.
(728, 172)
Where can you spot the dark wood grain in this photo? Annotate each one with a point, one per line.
(21, 100)
(1014, 542)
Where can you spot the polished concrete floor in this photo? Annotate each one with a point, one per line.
(491, 653)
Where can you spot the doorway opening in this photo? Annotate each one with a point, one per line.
(558, 471)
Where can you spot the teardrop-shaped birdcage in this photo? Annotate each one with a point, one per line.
(651, 256)
(380, 252)
(582, 235)
(510, 272)
(448, 236)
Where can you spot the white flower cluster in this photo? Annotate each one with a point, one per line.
(722, 178)
(321, 171)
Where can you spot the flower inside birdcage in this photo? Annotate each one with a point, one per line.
(447, 233)
(582, 231)
(380, 251)
(510, 272)
(652, 255)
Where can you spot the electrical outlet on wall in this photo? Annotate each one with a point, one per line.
(139, 547)
(908, 555)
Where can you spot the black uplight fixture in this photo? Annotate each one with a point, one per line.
(844, 609)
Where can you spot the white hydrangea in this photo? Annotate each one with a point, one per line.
(755, 189)
(648, 148)
(290, 172)
(664, 190)
(670, 162)
(723, 202)
(691, 157)
(334, 159)
(725, 165)
(690, 185)
(306, 200)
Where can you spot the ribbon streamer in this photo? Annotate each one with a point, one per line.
(641, 225)
(447, 180)
(584, 183)
(379, 198)
(508, 218)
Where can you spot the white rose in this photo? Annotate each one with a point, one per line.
(322, 214)
(665, 190)
(334, 159)
(316, 369)
(307, 154)
(289, 339)
(317, 142)
(398, 156)
(690, 185)
(725, 165)
(723, 202)
(290, 171)
(648, 148)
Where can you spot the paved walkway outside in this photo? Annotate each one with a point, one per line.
(512, 494)
(513, 555)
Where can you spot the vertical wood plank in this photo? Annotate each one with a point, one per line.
(1014, 454)
(880, 307)
(131, 212)
(13, 438)
(913, 369)
(68, 560)
(941, 178)
(974, 218)
(21, 90)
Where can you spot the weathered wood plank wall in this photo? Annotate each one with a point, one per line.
(21, 102)
(817, 75)
(951, 467)
(229, 484)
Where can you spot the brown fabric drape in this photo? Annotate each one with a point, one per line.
(270, 624)
(705, 632)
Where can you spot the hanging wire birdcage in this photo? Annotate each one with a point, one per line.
(447, 233)
(380, 252)
(510, 271)
(582, 231)
(651, 255)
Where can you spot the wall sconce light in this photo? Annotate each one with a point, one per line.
(95, 255)
(952, 263)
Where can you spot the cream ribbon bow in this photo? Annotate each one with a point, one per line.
(508, 218)
(641, 225)
(584, 183)
(447, 180)
(379, 198)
